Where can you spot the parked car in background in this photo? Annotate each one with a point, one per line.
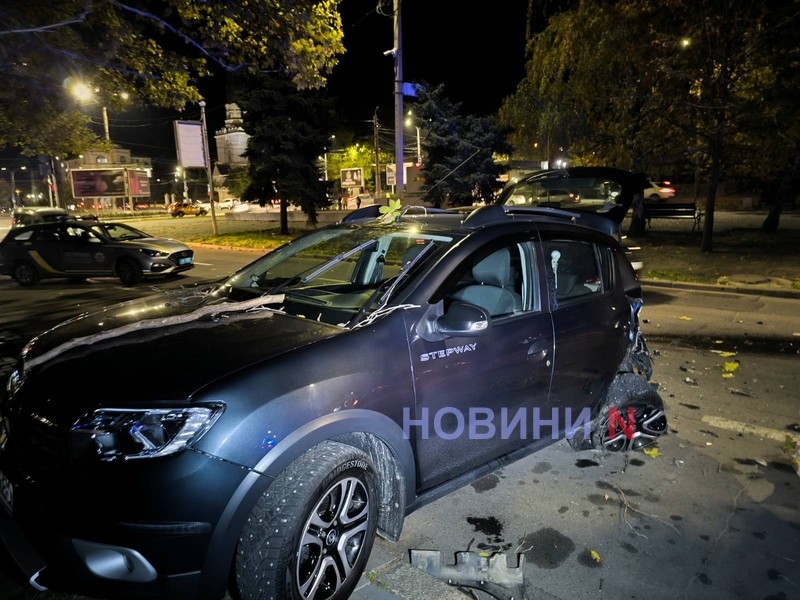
(80, 249)
(659, 190)
(228, 204)
(587, 193)
(30, 215)
(181, 209)
(316, 397)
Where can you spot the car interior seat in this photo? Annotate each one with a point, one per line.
(493, 289)
(571, 273)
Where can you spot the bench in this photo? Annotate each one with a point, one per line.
(673, 210)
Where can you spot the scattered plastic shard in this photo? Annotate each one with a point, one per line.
(488, 573)
(730, 366)
(652, 452)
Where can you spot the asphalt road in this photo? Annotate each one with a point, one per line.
(713, 514)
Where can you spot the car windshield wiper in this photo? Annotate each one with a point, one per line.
(316, 271)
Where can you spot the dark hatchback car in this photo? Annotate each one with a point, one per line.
(316, 397)
(31, 215)
(79, 249)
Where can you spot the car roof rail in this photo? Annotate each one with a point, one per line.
(497, 212)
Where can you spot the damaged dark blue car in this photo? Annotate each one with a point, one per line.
(322, 393)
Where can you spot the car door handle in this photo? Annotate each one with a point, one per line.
(538, 351)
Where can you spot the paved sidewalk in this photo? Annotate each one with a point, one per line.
(387, 577)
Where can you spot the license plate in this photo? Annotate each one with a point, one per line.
(6, 492)
(185, 261)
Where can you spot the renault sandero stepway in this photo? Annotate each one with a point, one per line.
(319, 395)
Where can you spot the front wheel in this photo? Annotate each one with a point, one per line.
(310, 534)
(129, 272)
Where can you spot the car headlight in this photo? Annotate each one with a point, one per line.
(152, 252)
(109, 434)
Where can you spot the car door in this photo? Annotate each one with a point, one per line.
(84, 252)
(588, 313)
(47, 243)
(476, 394)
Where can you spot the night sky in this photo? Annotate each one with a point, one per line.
(475, 50)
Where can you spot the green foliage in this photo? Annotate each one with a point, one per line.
(665, 85)
(289, 130)
(589, 95)
(356, 155)
(237, 181)
(156, 56)
(460, 165)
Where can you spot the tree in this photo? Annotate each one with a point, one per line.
(156, 56)
(460, 163)
(629, 83)
(289, 129)
(728, 62)
(589, 91)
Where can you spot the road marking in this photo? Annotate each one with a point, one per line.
(739, 427)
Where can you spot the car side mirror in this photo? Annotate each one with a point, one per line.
(463, 319)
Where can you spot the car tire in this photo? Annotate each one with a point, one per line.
(24, 273)
(311, 532)
(630, 391)
(129, 272)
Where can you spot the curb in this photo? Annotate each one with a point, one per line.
(732, 289)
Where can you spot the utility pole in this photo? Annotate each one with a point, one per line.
(105, 124)
(207, 159)
(377, 157)
(398, 99)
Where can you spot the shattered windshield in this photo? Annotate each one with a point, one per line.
(335, 274)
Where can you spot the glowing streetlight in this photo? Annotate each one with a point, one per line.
(14, 182)
(84, 93)
(409, 123)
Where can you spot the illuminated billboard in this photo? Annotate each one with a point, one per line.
(98, 183)
(109, 183)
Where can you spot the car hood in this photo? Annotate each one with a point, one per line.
(166, 244)
(174, 342)
(583, 179)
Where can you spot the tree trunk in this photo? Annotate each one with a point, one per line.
(638, 226)
(773, 218)
(284, 217)
(707, 244)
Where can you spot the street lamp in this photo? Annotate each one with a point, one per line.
(419, 145)
(84, 94)
(180, 176)
(14, 183)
